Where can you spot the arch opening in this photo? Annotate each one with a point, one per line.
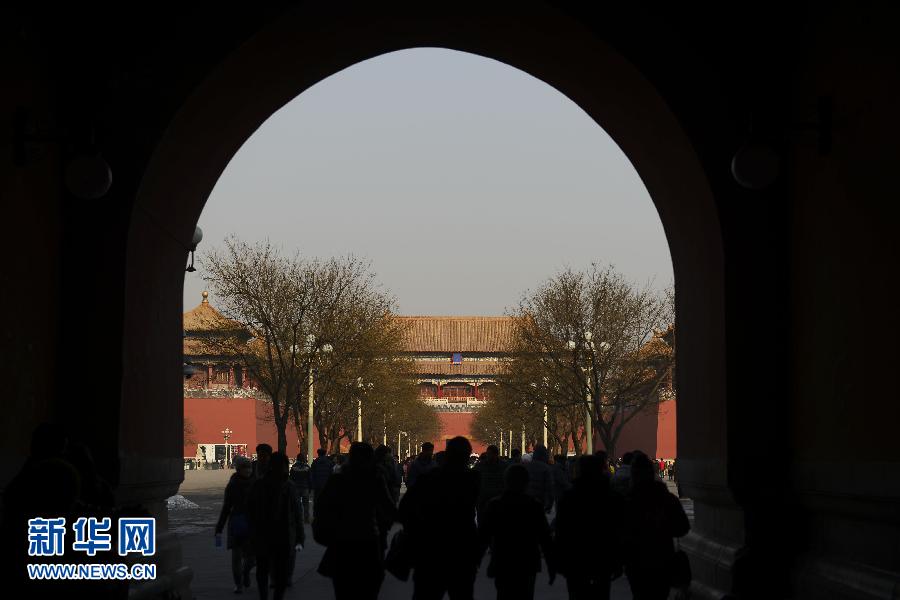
(211, 127)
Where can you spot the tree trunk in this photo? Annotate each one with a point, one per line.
(576, 444)
(281, 418)
(301, 433)
(282, 435)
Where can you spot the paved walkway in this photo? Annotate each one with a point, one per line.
(212, 570)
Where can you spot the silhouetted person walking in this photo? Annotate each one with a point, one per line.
(540, 477)
(621, 480)
(261, 464)
(588, 532)
(561, 481)
(276, 525)
(235, 512)
(319, 473)
(440, 510)
(490, 470)
(47, 486)
(422, 464)
(300, 476)
(352, 522)
(387, 466)
(515, 528)
(653, 516)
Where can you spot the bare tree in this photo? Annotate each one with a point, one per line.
(288, 310)
(377, 379)
(589, 345)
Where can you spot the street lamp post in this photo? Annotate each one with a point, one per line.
(311, 415)
(589, 345)
(310, 418)
(546, 423)
(364, 388)
(544, 404)
(226, 433)
(588, 421)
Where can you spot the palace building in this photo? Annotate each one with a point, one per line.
(219, 395)
(455, 362)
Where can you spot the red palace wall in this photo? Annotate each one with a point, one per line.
(650, 432)
(666, 446)
(454, 424)
(250, 420)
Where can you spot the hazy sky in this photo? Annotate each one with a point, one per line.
(464, 181)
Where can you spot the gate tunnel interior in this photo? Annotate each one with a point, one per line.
(761, 277)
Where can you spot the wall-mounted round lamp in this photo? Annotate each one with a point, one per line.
(756, 166)
(88, 177)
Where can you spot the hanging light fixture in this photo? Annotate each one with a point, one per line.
(195, 241)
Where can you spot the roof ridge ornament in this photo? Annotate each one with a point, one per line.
(205, 295)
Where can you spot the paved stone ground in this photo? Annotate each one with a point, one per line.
(211, 565)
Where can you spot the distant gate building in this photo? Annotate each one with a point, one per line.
(456, 362)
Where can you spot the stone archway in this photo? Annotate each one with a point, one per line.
(304, 47)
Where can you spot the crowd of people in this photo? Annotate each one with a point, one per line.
(588, 519)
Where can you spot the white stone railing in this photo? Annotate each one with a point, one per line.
(232, 392)
(442, 405)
